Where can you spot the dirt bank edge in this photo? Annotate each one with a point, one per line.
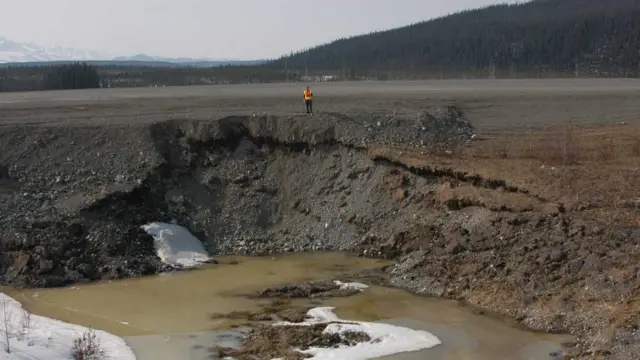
(532, 263)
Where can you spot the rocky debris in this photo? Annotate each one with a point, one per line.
(85, 191)
(444, 128)
(441, 129)
(72, 200)
(43, 253)
(632, 203)
(277, 310)
(313, 289)
(512, 259)
(285, 342)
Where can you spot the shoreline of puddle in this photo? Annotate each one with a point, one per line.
(169, 315)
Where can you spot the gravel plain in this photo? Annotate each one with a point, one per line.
(492, 104)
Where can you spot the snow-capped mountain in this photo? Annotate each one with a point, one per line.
(149, 58)
(15, 52)
(11, 51)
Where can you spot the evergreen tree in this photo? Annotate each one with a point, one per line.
(73, 76)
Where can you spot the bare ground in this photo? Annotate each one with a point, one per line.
(267, 342)
(270, 341)
(538, 219)
(277, 310)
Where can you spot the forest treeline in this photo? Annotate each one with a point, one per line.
(542, 38)
(33, 78)
(75, 75)
(557, 37)
(72, 76)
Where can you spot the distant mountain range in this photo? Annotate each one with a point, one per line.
(16, 53)
(11, 51)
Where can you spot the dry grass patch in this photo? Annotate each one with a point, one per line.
(463, 195)
(87, 347)
(562, 145)
(592, 168)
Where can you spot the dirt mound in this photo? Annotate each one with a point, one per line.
(268, 342)
(314, 289)
(277, 310)
(441, 129)
(77, 196)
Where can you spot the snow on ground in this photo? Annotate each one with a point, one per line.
(42, 338)
(351, 286)
(385, 339)
(176, 246)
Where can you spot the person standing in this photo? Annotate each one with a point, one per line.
(308, 100)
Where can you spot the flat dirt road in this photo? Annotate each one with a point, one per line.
(490, 105)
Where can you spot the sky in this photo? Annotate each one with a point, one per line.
(224, 29)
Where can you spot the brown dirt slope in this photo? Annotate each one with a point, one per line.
(556, 246)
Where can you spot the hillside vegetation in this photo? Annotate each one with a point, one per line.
(590, 37)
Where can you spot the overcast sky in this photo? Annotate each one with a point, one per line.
(242, 29)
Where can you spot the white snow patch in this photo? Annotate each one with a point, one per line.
(351, 285)
(48, 339)
(385, 339)
(176, 246)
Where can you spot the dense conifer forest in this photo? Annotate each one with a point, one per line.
(558, 37)
(72, 76)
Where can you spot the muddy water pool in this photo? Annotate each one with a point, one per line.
(168, 316)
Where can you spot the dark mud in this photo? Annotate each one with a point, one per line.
(268, 342)
(278, 310)
(314, 289)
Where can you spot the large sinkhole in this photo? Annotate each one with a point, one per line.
(242, 185)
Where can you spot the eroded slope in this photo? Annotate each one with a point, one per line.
(73, 201)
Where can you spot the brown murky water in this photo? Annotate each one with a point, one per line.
(180, 303)
(465, 334)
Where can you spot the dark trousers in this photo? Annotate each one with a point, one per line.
(309, 104)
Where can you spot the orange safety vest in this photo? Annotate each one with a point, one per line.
(307, 94)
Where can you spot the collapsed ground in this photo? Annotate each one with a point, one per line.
(266, 341)
(540, 226)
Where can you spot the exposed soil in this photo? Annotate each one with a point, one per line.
(268, 342)
(278, 310)
(314, 289)
(200, 173)
(538, 223)
(281, 308)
